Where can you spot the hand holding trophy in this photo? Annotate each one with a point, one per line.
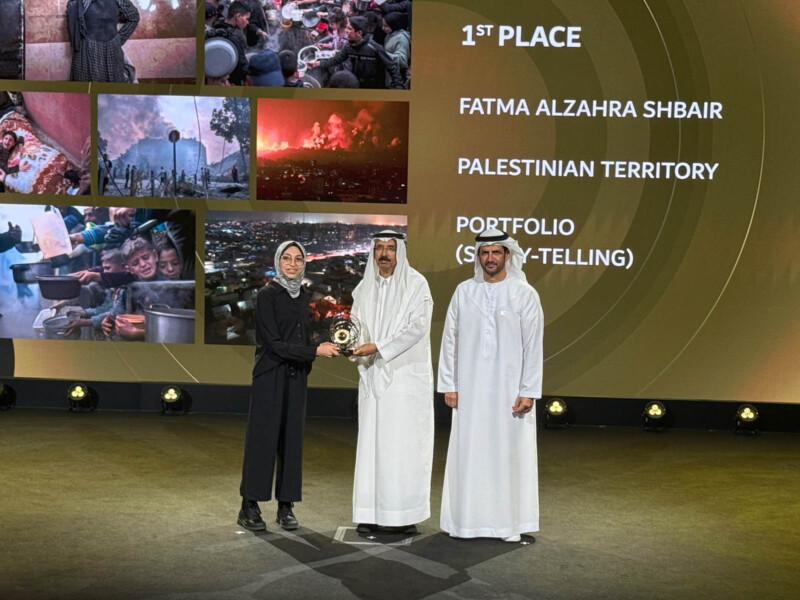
(345, 330)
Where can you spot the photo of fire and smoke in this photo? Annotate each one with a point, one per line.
(240, 260)
(97, 273)
(332, 150)
(173, 146)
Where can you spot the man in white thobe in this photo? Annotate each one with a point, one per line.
(395, 392)
(490, 371)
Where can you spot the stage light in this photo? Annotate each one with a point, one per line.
(81, 398)
(555, 413)
(654, 417)
(174, 401)
(8, 397)
(746, 419)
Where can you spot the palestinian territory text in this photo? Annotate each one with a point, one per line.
(612, 169)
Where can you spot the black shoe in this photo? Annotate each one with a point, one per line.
(366, 528)
(250, 516)
(399, 529)
(286, 518)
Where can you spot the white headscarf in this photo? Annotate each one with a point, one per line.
(292, 285)
(367, 290)
(495, 237)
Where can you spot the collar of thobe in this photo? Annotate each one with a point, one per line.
(491, 288)
(494, 285)
(489, 300)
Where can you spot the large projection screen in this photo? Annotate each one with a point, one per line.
(641, 151)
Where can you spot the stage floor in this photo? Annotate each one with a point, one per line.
(119, 505)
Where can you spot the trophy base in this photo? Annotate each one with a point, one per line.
(346, 352)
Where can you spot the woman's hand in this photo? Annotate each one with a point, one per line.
(327, 349)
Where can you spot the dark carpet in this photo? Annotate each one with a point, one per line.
(130, 505)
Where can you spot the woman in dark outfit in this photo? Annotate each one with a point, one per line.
(278, 398)
(96, 42)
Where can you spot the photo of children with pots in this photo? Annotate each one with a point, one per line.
(97, 273)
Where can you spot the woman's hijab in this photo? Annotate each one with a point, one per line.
(292, 285)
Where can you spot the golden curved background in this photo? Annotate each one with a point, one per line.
(707, 310)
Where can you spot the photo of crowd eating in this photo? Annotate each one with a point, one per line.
(118, 41)
(44, 143)
(240, 259)
(307, 43)
(97, 273)
(173, 146)
(332, 150)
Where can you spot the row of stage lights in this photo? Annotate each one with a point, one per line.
(176, 401)
(655, 416)
(82, 398)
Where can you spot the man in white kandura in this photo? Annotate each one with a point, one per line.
(392, 481)
(490, 371)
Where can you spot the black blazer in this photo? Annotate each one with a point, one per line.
(283, 333)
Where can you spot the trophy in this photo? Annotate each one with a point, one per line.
(344, 331)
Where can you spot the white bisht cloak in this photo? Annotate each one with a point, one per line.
(491, 481)
(395, 399)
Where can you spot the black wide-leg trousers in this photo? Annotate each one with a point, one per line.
(275, 427)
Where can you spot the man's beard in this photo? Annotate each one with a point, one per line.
(491, 268)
